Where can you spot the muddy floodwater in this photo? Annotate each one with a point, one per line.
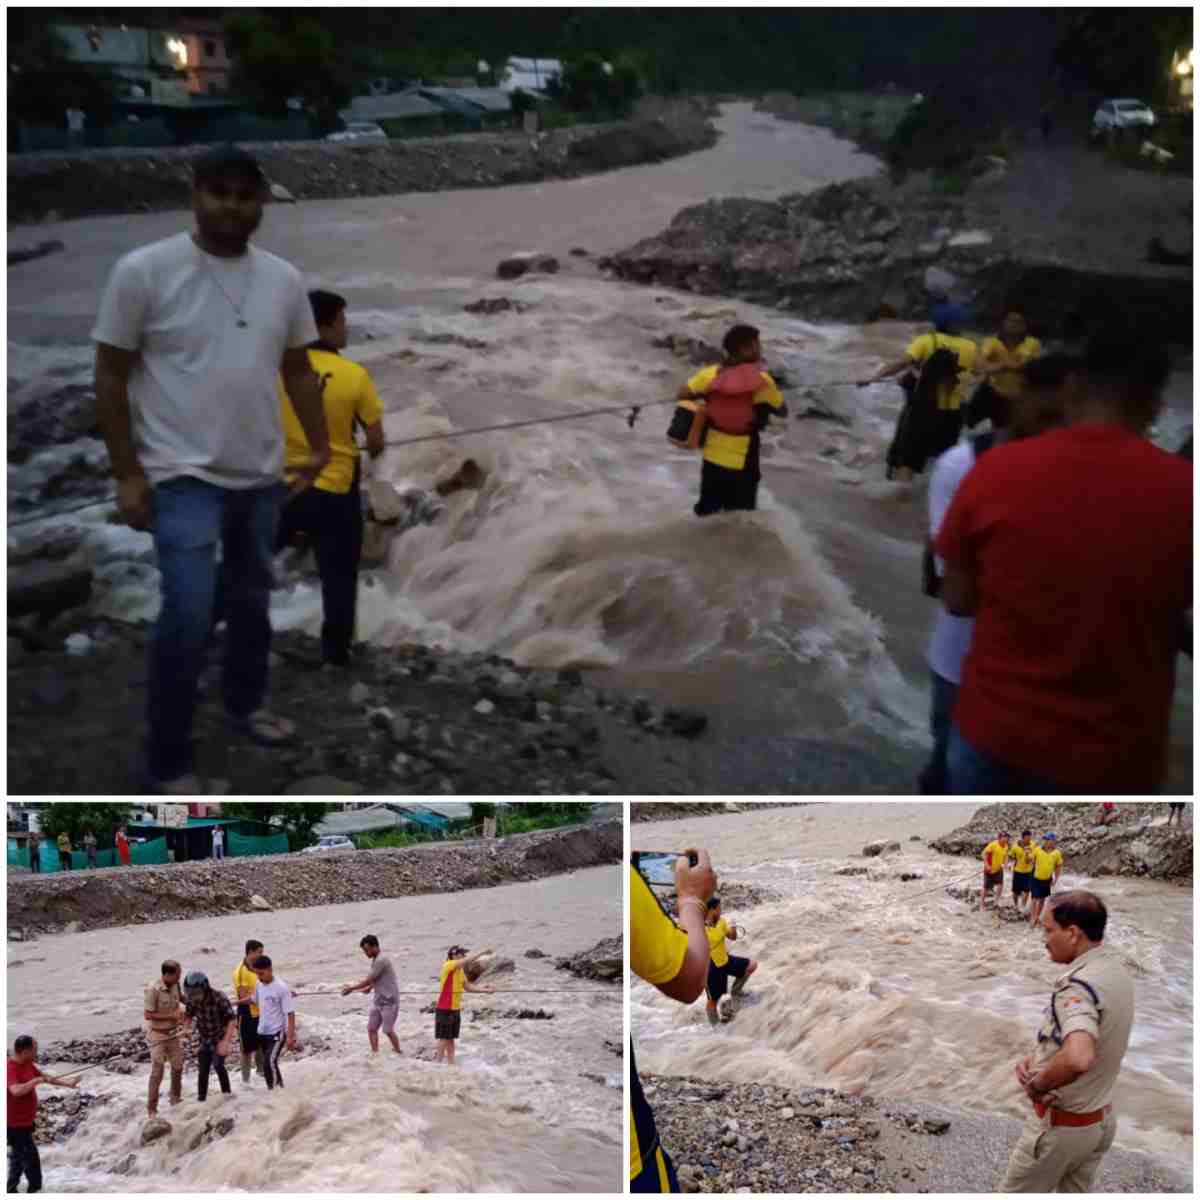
(531, 1106)
(897, 991)
(804, 620)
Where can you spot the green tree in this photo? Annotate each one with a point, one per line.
(296, 818)
(76, 819)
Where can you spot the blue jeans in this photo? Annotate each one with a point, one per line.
(971, 772)
(934, 780)
(190, 517)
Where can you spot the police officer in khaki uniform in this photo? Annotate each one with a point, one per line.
(163, 1010)
(1069, 1077)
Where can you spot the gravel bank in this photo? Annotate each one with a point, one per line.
(84, 900)
(677, 810)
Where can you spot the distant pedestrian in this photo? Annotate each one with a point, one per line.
(122, 840)
(215, 1022)
(192, 336)
(1047, 867)
(64, 852)
(23, 1080)
(995, 856)
(276, 1020)
(385, 1005)
(448, 1018)
(245, 983)
(218, 839)
(1071, 1074)
(1107, 813)
(1073, 552)
(89, 845)
(35, 852)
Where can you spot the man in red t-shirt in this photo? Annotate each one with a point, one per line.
(23, 1080)
(1073, 551)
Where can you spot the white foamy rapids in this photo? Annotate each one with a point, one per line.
(867, 986)
(499, 1121)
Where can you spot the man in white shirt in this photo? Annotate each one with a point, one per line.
(1037, 408)
(218, 842)
(275, 1008)
(191, 336)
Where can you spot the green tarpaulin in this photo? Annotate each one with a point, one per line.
(141, 854)
(241, 846)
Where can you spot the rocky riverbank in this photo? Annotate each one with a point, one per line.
(603, 962)
(101, 899)
(677, 810)
(1130, 845)
(873, 249)
(62, 185)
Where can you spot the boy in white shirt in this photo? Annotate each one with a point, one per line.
(275, 1013)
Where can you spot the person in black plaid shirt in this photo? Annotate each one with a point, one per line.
(215, 1023)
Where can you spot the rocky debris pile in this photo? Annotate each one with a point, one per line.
(40, 904)
(604, 961)
(868, 250)
(677, 810)
(64, 185)
(726, 1137)
(406, 719)
(914, 1122)
(61, 1114)
(122, 1052)
(1004, 911)
(508, 1014)
(1130, 845)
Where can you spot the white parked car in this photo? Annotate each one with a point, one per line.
(1123, 114)
(334, 841)
(358, 131)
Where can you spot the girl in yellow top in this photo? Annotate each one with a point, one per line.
(722, 964)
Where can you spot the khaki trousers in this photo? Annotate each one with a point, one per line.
(1058, 1158)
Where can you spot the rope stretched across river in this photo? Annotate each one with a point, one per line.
(632, 409)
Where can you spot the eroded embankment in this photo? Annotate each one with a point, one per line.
(143, 895)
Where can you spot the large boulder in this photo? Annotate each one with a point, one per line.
(155, 1129)
(47, 589)
(875, 849)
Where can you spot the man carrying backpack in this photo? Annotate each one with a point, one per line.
(931, 419)
(1034, 408)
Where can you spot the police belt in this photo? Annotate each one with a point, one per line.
(1072, 1119)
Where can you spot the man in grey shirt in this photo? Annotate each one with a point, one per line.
(381, 981)
(192, 335)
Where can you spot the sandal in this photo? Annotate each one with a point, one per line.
(265, 727)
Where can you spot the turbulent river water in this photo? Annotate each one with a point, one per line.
(873, 985)
(532, 1105)
(802, 620)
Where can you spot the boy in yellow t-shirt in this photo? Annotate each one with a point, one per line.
(1047, 867)
(1022, 859)
(452, 981)
(330, 512)
(245, 981)
(995, 855)
(721, 964)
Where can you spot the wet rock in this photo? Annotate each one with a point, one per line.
(281, 194)
(491, 307)
(47, 589)
(20, 254)
(604, 961)
(154, 1129)
(517, 265)
(47, 542)
(685, 722)
(874, 849)
(535, 953)
(257, 901)
(125, 1165)
(852, 871)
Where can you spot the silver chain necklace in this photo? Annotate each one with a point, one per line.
(237, 308)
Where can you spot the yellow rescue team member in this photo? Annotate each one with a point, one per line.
(674, 958)
(736, 396)
(330, 512)
(930, 424)
(723, 965)
(1047, 866)
(1022, 860)
(1001, 360)
(245, 984)
(995, 855)
(1070, 1075)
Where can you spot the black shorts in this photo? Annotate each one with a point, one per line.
(247, 1028)
(1039, 889)
(446, 1024)
(994, 879)
(718, 977)
(1176, 804)
(1021, 880)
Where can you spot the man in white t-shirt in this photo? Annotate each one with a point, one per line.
(276, 1019)
(192, 334)
(1038, 407)
(218, 842)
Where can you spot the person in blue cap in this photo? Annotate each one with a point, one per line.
(936, 387)
(1047, 867)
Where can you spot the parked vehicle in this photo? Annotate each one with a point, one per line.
(333, 841)
(358, 131)
(1122, 114)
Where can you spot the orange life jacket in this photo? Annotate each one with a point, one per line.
(730, 398)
